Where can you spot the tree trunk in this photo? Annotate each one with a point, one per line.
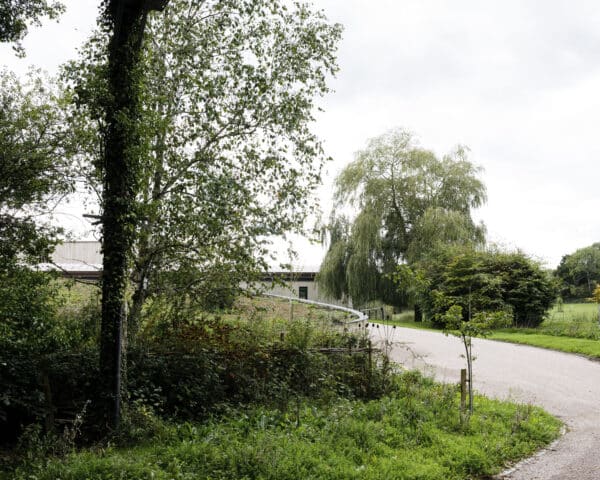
(126, 19)
(418, 313)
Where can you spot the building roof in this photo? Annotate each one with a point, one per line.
(83, 259)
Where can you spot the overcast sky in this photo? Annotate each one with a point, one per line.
(517, 81)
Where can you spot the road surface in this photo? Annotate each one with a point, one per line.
(568, 386)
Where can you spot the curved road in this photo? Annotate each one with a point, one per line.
(565, 385)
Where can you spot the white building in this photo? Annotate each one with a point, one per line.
(82, 259)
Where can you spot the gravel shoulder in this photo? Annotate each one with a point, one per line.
(565, 385)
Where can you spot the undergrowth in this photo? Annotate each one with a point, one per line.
(414, 432)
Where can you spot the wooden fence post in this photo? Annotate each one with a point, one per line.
(370, 367)
(48, 404)
(463, 392)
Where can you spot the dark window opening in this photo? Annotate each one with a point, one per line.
(303, 292)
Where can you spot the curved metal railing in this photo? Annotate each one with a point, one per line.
(361, 317)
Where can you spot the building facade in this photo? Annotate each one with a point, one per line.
(83, 260)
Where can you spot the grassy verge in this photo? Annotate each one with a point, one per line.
(407, 319)
(572, 328)
(414, 433)
(581, 346)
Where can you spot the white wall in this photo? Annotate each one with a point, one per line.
(75, 253)
(292, 289)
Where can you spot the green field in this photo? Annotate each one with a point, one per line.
(582, 346)
(578, 320)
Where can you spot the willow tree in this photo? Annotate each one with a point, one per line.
(406, 200)
(229, 158)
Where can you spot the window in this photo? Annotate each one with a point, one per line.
(303, 292)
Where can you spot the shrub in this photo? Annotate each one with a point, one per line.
(190, 372)
(484, 281)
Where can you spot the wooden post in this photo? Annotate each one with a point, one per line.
(463, 391)
(49, 406)
(370, 366)
(291, 310)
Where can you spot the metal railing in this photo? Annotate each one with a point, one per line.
(361, 317)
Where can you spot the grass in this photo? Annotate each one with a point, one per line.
(579, 320)
(571, 328)
(269, 308)
(582, 346)
(414, 433)
(406, 319)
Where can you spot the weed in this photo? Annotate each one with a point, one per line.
(412, 433)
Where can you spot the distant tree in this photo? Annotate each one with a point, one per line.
(15, 15)
(408, 201)
(580, 272)
(439, 228)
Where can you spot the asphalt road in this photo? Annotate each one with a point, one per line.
(568, 386)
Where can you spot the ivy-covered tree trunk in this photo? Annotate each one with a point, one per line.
(126, 21)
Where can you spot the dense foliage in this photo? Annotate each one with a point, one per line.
(228, 155)
(481, 281)
(414, 433)
(39, 337)
(580, 272)
(188, 370)
(408, 202)
(33, 175)
(33, 167)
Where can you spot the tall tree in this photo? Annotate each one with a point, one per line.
(125, 21)
(403, 195)
(228, 156)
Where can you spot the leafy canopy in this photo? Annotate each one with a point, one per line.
(408, 201)
(228, 156)
(479, 282)
(33, 167)
(580, 272)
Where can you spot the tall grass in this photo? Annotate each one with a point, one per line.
(413, 433)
